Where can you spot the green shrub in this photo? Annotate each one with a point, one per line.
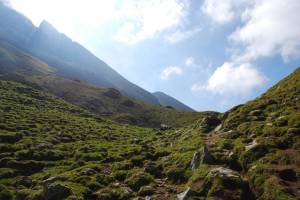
(137, 180)
(176, 175)
(5, 194)
(253, 154)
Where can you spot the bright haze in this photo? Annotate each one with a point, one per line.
(210, 54)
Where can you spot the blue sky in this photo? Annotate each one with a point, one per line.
(209, 54)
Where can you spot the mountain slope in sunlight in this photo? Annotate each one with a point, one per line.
(255, 152)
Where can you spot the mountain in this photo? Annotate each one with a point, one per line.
(166, 100)
(22, 67)
(69, 58)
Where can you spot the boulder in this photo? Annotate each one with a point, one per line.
(56, 191)
(127, 192)
(223, 173)
(255, 112)
(200, 157)
(185, 195)
(251, 145)
(164, 127)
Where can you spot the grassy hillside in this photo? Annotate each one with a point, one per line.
(258, 147)
(21, 67)
(51, 149)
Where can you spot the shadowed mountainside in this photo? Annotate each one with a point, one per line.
(166, 100)
(19, 66)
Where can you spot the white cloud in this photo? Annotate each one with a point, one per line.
(230, 79)
(224, 11)
(144, 19)
(270, 28)
(129, 21)
(197, 87)
(171, 70)
(78, 19)
(267, 28)
(220, 11)
(179, 36)
(190, 61)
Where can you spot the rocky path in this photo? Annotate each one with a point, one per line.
(210, 143)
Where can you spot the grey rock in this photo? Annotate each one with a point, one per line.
(200, 157)
(54, 179)
(127, 192)
(164, 127)
(251, 145)
(223, 172)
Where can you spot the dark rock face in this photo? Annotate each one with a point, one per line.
(209, 123)
(56, 191)
(288, 175)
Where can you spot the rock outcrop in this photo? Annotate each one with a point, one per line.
(200, 157)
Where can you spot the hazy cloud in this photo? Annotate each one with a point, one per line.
(169, 71)
(179, 35)
(190, 61)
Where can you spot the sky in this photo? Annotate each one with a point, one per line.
(209, 54)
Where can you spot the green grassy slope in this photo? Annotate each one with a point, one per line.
(48, 144)
(260, 142)
(51, 149)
